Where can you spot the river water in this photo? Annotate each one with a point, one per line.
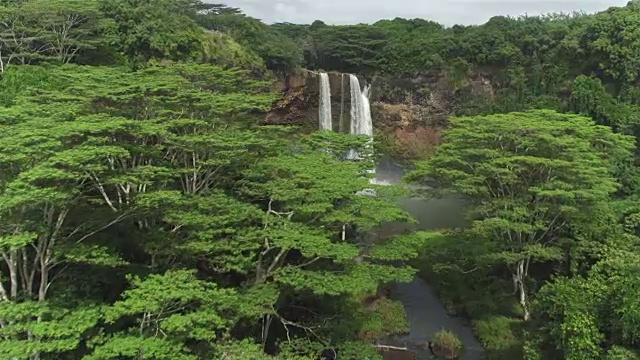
(425, 312)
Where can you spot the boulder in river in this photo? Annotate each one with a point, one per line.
(446, 345)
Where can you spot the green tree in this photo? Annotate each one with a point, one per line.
(607, 42)
(74, 169)
(221, 49)
(591, 98)
(146, 29)
(139, 182)
(280, 53)
(35, 30)
(585, 316)
(532, 179)
(67, 27)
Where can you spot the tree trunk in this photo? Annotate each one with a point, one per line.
(13, 273)
(266, 324)
(518, 281)
(44, 280)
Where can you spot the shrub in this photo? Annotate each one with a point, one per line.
(446, 345)
(385, 318)
(500, 336)
(621, 353)
(221, 49)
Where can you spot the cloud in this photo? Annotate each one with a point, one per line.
(448, 12)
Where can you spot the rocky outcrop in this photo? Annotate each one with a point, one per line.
(409, 113)
(300, 97)
(430, 99)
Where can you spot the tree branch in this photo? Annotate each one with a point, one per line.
(307, 329)
(111, 223)
(104, 194)
(309, 262)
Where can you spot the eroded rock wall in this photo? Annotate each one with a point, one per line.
(408, 113)
(300, 99)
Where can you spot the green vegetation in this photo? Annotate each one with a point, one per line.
(532, 62)
(500, 336)
(547, 196)
(384, 319)
(145, 215)
(446, 345)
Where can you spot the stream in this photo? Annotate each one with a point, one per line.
(425, 312)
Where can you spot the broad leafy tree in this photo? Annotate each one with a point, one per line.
(154, 184)
(533, 180)
(34, 30)
(594, 316)
(146, 29)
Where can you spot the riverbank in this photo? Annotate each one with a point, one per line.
(484, 303)
(427, 316)
(450, 291)
(381, 317)
(425, 312)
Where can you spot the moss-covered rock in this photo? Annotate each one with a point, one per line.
(383, 318)
(446, 345)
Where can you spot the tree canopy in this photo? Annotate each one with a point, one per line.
(145, 212)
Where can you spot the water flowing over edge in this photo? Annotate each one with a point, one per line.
(361, 122)
(324, 108)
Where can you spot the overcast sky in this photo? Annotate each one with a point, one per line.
(448, 12)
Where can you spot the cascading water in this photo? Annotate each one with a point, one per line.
(324, 110)
(360, 109)
(356, 103)
(366, 124)
(361, 123)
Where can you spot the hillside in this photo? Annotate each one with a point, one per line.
(165, 193)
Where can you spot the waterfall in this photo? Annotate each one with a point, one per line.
(361, 123)
(324, 109)
(356, 103)
(366, 124)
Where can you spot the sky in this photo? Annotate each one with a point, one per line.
(447, 12)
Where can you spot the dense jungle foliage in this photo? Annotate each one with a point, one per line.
(144, 213)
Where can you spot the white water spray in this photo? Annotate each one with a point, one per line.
(366, 123)
(361, 123)
(324, 109)
(360, 109)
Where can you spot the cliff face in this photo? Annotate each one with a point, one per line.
(300, 98)
(408, 113)
(431, 98)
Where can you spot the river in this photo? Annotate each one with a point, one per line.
(425, 312)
